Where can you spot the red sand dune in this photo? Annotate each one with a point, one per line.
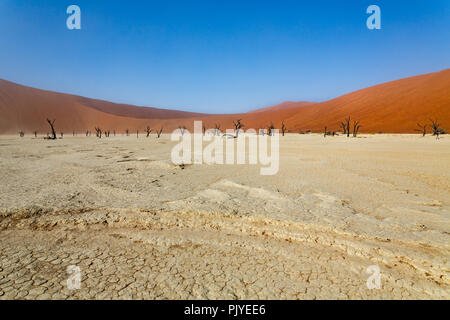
(393, 107)
(284, 106)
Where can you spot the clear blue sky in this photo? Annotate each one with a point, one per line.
(219, 56)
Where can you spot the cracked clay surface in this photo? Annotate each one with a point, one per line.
(139, 227)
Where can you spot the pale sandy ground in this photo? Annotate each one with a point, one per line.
(140, 227)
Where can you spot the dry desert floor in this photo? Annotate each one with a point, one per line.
(140, 227)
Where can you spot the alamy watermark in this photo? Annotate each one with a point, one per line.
(74, 20)
(374, 281)
(233, 147)
(74, 280)
(374, 21)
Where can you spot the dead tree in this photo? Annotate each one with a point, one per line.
(356, 127)
(98, 132)
(204, 129)
(283, 128)
(137, 133)
(217, 129)
(436, 127)
(127, 132)
(148, 130)
(182, 129)
(158, 133)
(325, 133)
(270, 129)
(237, 126)
(423, 129)
(114, 133)
(345, 125)
(21, 134)
(52, 126)
(62, 134)
(87, 133)
(35, 134)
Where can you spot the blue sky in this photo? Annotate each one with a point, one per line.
(219, 56)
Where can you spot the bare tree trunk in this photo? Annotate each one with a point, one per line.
(182, 130)
(52, 126)
(356, 127)
(283, 128)
(159, 132)
(237, 126)
(217, 129)
(98, 132)
(347, 125)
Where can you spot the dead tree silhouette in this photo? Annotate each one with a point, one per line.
(98, 132)
(270, 129)
(423, 129)
(148, 130)
(237, 126)
(21, 134)
(182, 130)
(325, 132)
(436, 127)
(217, 129)
(35, 134)
(127, 132)
(283, 128)
(356, 127)
(158, 133)
(345, 125)
(52, 126)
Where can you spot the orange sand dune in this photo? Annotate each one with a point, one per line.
(393, 107)
(284, 106)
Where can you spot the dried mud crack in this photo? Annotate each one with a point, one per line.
(144, 254)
